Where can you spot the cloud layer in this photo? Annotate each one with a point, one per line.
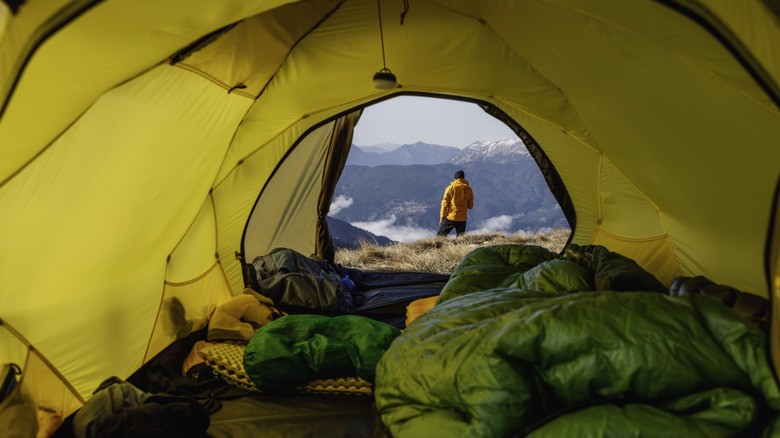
(339, 203)
(497, 224)
(399, 233)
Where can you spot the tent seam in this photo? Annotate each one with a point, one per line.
(216, 225)
(634, 239)
(38, 38)
(657, 210)
(194, 280)
(33, 350)
(57, 373)
(67, 128)
(541, 119)
(225, 279)
(156, 316)
(295, 44)
(598, 192)
(189, 227)
(216, 81)
(729, 84)
(282, 131)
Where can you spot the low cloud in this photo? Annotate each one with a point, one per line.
(341, 202)
(495, 224)
(399, 233)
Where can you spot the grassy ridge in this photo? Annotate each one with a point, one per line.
(436, 254)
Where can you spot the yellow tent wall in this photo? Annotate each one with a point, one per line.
(135, 137)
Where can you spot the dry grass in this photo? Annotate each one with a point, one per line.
(437, 254)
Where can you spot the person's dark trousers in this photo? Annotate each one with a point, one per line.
(447, 226)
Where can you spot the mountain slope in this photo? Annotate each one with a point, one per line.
(408, 154)
(346, 235)
(510, 191)
(497, 152)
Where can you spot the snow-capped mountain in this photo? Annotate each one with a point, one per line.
(500, 152)
(408, 154)
(404, 201)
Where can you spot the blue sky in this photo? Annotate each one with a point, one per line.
(409, 119)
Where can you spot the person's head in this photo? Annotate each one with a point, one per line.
(459, 174)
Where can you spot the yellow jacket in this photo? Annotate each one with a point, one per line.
(458, 198)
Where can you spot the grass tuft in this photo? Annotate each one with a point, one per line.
(437, 254)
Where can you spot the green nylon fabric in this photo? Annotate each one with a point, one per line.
(614, 271)
(493, 363)
(533, 267)
(716, 413)
(556, 275)
(501, 261)
(296, 349)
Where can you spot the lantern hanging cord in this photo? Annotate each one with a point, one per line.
(406, 9)
(381, 34)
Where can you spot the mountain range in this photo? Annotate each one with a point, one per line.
(417, 153)
(509, 189)
(346, 235)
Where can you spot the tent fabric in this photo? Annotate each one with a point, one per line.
(338, 150)
(137, 136)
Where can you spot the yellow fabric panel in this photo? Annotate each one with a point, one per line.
(725, 254)
(112, 43)
(5, 17)
(199, 297)
(624, 210)
(197, 251)
(47, 388)
(18, 32)
(234, 198)
(577, 164)
(12, 349)
(654, 254)
(42, 393)
(286, 213)
(256, 47)
(755, 27)
(87, 227)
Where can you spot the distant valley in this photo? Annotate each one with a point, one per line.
(396, 192)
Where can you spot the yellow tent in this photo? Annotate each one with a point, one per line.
(147, 147)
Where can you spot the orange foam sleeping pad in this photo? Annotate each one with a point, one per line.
(418, 307)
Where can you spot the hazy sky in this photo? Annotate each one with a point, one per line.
(446, 122)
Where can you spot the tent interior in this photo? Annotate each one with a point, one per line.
(151, 150)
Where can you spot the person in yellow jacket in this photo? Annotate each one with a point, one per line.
(458, 199)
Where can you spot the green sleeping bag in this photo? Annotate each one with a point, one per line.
(296, 349)
(506, 362)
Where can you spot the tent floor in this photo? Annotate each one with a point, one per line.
(299, 415)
